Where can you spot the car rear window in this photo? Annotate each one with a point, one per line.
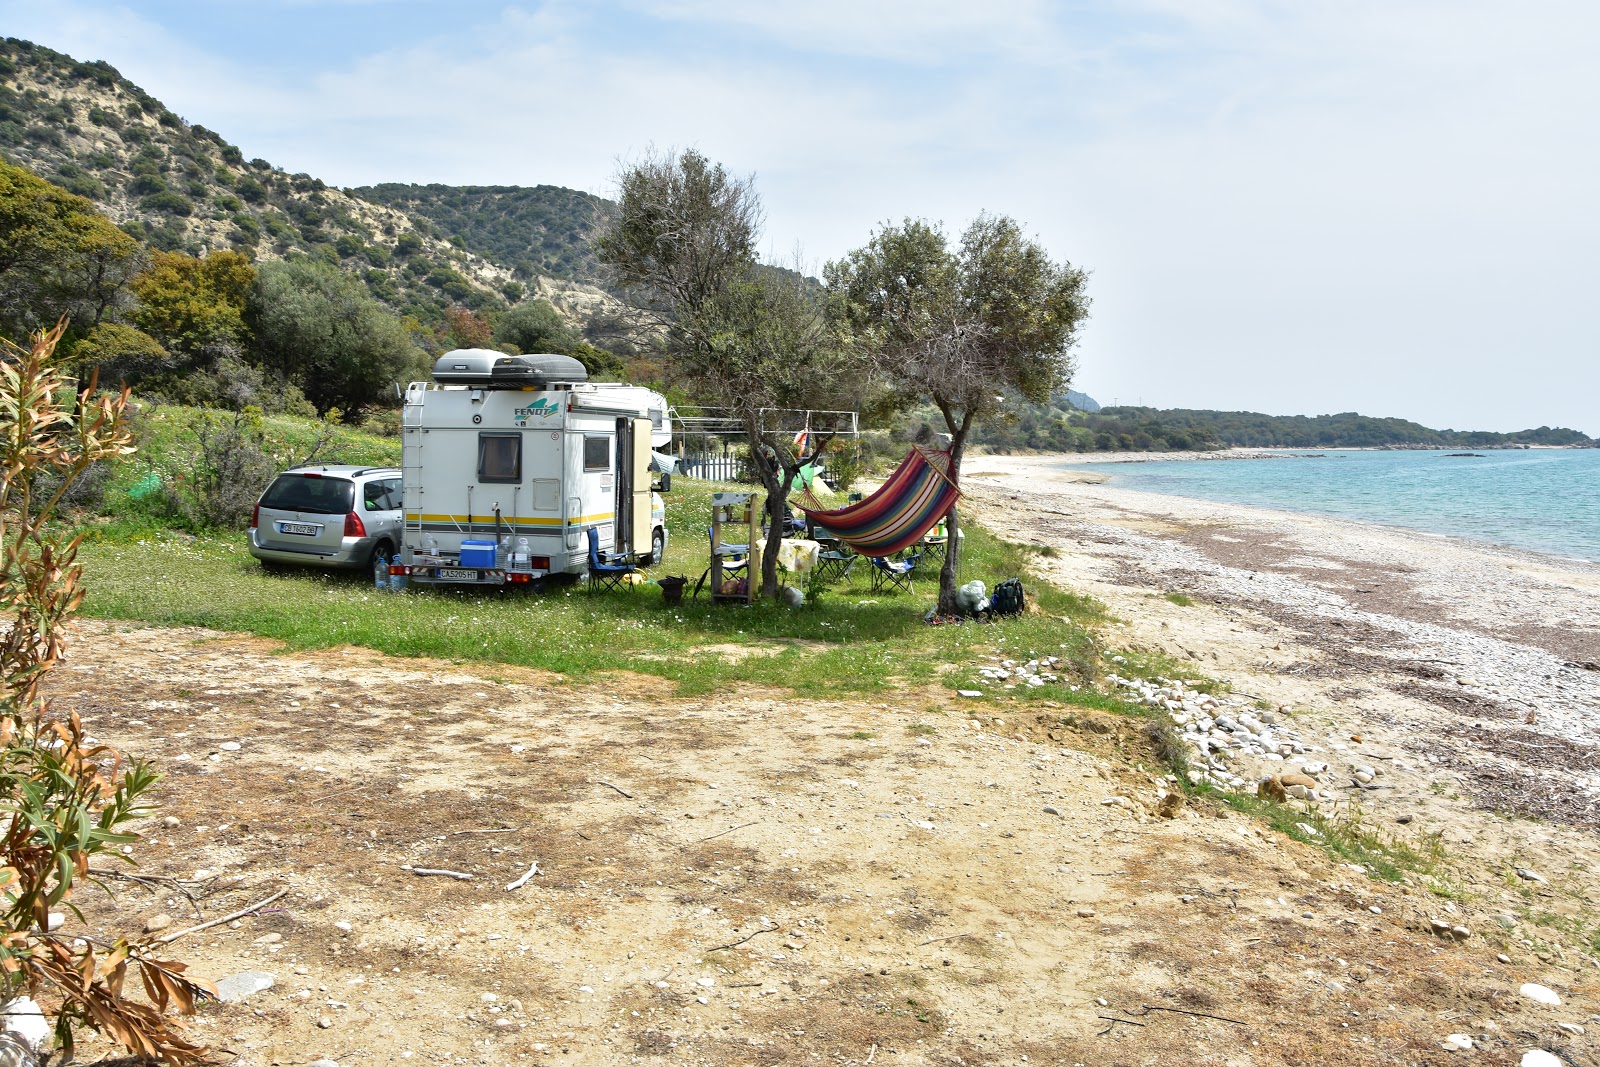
(310, 492)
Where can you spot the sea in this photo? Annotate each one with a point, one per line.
(1547, 500)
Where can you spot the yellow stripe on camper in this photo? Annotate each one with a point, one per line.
(481, 520)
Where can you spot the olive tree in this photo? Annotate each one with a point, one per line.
(970, 328)
(740, 335)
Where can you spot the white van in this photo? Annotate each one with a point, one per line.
(509, 461)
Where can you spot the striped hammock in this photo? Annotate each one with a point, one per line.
(913, 501)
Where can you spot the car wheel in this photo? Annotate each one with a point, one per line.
(384, 548)
(658, 546)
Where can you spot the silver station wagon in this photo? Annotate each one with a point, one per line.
(333, 515)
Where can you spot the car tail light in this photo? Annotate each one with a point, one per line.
(255, 517)
(353, 526)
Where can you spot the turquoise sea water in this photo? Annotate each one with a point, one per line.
(1546, 500)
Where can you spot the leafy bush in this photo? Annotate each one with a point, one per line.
(69, 798)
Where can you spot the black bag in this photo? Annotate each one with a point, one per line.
(1007, 598)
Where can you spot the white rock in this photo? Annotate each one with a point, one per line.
(969, 692)
(343, 927)
(1540, 994)
(55, 921)
(1538, 1057)
(230, 746)
(24, 1018)
(323, 1062)
(1572, 1028)
(236, 987)
(1528, 876)
(1458, 1043)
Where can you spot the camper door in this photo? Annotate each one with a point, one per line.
(633, 485)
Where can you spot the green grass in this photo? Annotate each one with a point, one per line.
(1181, 599)
(852, 641)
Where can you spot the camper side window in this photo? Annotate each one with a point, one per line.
(597, 453)
(499, 457)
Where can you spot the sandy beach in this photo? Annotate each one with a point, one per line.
(1476, 664)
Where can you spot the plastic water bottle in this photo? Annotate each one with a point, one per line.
(398, 582)
(380, 571)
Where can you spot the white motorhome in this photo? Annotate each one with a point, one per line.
(509, 461)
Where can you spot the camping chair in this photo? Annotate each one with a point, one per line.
(834, 563)
(605, 572)
(934, 543)
(893, 573)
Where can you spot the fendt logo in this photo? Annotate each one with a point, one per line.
(540, 409)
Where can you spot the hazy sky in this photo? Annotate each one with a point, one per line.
(1288, 206)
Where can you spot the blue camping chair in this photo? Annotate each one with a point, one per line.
(605, 570)
(893, 573)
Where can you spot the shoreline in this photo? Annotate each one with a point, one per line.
(1471, 662)
(984, 466)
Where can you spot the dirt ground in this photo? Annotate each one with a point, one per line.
(756, 879)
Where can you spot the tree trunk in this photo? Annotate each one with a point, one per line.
(952, 544)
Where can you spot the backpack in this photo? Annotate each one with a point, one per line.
(1007, 598)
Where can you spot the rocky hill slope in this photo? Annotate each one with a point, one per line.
(179, 186)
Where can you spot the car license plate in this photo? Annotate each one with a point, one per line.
(455, 574)
(298, 528)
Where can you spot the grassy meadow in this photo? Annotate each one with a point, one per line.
(849, 640)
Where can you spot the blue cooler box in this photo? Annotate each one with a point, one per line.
(477, 553)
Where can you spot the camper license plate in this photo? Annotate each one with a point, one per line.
(455, 574)
(298, 528)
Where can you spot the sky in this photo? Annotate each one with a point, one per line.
(1289, 206)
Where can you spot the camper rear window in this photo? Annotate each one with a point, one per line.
(499, 457)
(597, 453)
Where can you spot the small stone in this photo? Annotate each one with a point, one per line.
(1085, 913)
(1404, 819)
(1503, 958)
(1375, 909)
(343, 927)
(969, 692)
(268, 939)
(55, 921)
(157, 923)
(1529, 876)
(323, 1062)
(171, 822)
(324, 1023)
(1540, 994)
(230, 746)
(1051, 809)
(1538, 1057)
(237, 987)
(25, 1019)
(1507, 921)
(1458, 1043)
(1572, 1028)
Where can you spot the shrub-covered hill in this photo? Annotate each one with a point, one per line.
(544, 229)
(182, 187)
(1250, 429)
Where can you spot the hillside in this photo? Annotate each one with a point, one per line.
(544, 229)
(178, 186)
(1249, 429)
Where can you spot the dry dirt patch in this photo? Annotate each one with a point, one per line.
(735, 879)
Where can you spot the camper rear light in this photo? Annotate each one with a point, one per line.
(353, 526)
(539, 563)
(519, 579)
(399, 568)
